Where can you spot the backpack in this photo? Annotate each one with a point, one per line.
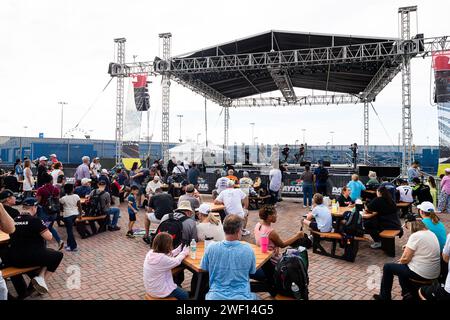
(354, 224)
(172, 226)
(53, 206)
(95, 208)
(293, 268)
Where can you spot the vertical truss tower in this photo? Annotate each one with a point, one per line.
(166, 42)
(405, 34)
(120, 60)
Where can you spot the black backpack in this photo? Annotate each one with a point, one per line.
(293, 268)
(354, 224)
(95, 207)
(172, 226)
(53, 206)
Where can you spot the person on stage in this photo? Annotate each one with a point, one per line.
(285, 152)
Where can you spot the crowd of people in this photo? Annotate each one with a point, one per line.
(170, 198)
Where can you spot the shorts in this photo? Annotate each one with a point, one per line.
(132, 216)
(435, 292)
(151, 216)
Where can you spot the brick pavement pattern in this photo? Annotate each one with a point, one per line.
(110, 264)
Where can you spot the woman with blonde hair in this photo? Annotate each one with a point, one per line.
(210, 225)
(356, 187)
(28, 180)
(420, 261)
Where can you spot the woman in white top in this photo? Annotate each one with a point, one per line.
(71, 209)
(28, 180)
(210, 225)
(420, 261)
(56, 172)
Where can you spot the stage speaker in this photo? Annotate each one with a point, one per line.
(326, 163)
(305, 163)
(389, 172)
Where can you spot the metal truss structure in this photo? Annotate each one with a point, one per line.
(393, 55)
(120, 60)
(166, 41)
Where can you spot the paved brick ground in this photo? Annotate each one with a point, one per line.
(110, 265)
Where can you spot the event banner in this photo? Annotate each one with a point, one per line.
(441, 66)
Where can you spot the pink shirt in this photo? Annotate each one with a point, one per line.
(445, 184)
(158, 281)
(260, 230)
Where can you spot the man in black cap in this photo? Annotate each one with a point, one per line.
(8, 200)
(27, 247)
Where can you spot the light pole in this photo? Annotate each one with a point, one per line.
(180, 116)
(198, 134)
(254, 140)
(332, 140)
(303, 135)
(253, 131)
(25, 129)
(62, 104)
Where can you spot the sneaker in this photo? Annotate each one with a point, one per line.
(376, 245)
(146, 240)
(69, 249)
(245, 232)
(115, 228)
(305, 206)
(377, 297)
(130, 234)
(40, 285)
(61, 245)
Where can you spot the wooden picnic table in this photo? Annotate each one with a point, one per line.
(4, 237)
(404, 204)
(194, 264)
(342, 210)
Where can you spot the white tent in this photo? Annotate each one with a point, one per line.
(198, 153)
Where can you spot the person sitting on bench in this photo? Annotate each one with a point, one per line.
(420, 261)
(321, 214)
(7, 226)
(438, 291)
(28, 245)
(405, 193)
(381, 215)
(344, 198)
(268, 216)
(158, 265)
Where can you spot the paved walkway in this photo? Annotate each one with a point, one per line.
(110, 265)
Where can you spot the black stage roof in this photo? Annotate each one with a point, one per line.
(351, 78)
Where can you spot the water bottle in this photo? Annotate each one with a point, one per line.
(193, 249)
(296, 291)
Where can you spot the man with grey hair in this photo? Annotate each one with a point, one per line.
(222, 183)
(235, 202)
(230, 263)
(82, 170)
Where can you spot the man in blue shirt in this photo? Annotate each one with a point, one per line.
(230, 264)
(193, 174)
(413, 171)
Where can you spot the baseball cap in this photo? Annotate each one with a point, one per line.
(204, 208)
(53, 155)
(104, 171)
(447, 170)
(426, 206)
(96, 158)
(156, 177)
(6, 194)
(85, 180)
(43, 158)
(30, 202)
(102, 183)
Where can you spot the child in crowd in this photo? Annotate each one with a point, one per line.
(132, 209)
(320, 218)
(158, 265)
(71, 209)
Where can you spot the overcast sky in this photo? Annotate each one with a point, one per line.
(59, 51)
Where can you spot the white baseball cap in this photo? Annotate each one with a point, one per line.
(53, 155)
(104, 171)
(204, 209)
(85, 180)
(156, 177)
(426, 206)
(447, 170)
(43, 158)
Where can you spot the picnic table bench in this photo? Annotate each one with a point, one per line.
(9, 272)
(258, 201)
